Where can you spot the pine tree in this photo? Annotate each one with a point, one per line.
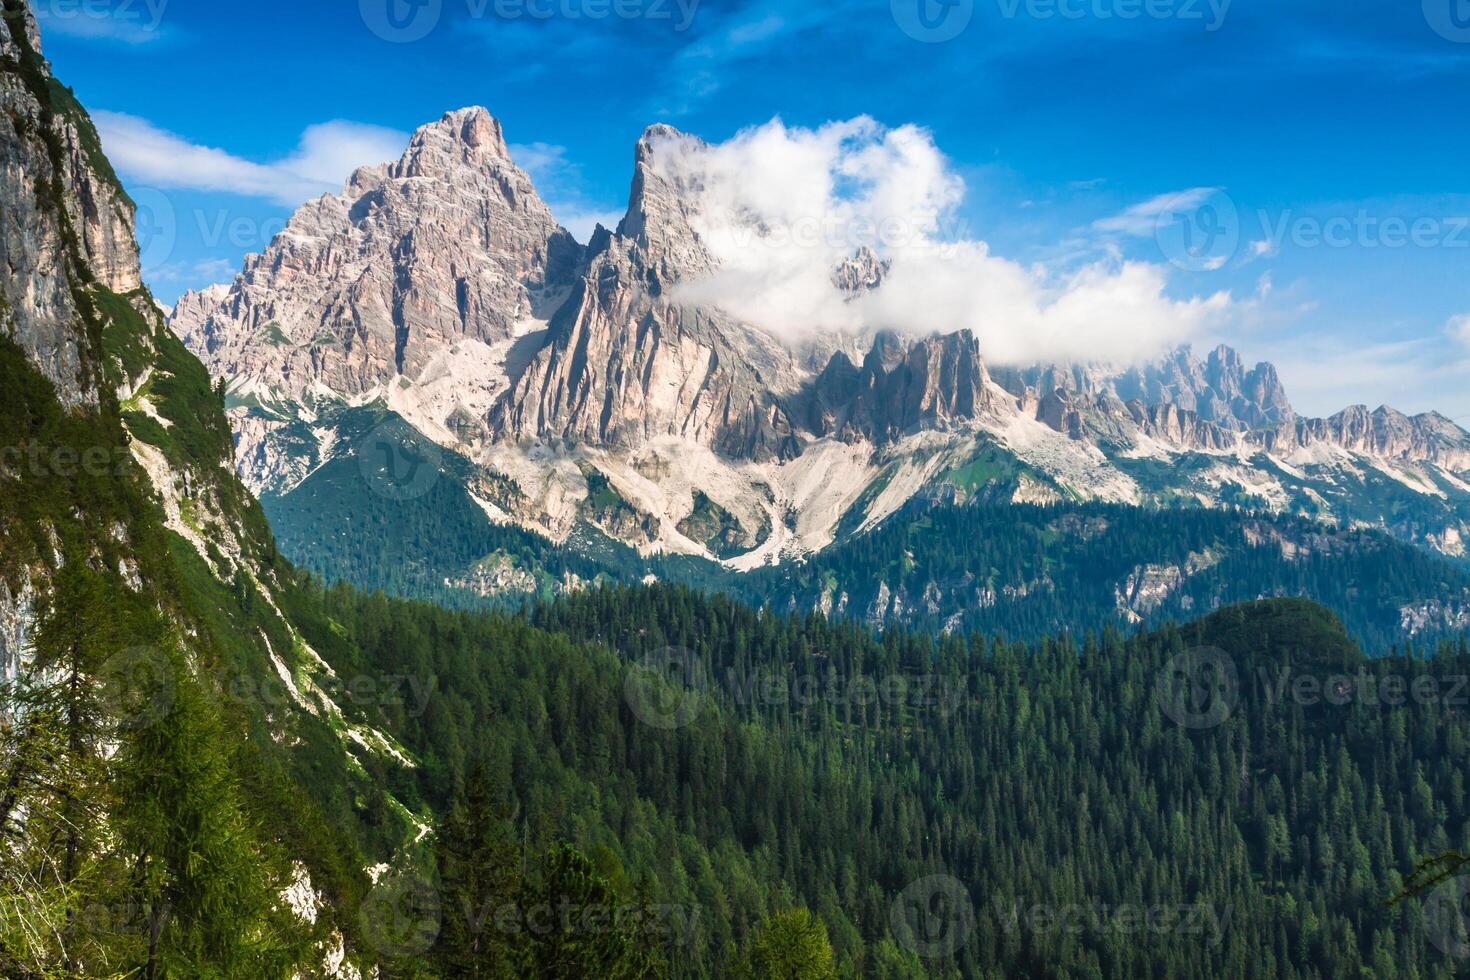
(791, 945)
(206, 887)
(480, 876)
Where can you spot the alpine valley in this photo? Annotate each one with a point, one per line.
(918, 693)
(575, 413)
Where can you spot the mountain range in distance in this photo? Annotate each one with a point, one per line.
(579, 394)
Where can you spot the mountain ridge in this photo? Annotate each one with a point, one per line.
(595, 362)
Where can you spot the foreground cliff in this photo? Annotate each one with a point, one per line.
(185, 783)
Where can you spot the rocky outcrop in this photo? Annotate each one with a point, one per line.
(17, 625)
(1216, 405)
(451, 243)
(1390, 434)
(1218, 390)
(1148, 587)
(905, 386)
(622, 365)
(57, 190)
(1443, 617)
(862, 273)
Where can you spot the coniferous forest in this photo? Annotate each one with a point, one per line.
(947, 807)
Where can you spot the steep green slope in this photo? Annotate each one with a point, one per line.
(392, 511)
(165, 713)
(1026, 570)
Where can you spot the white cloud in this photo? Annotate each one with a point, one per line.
(1142, 220)
(1324, 372)
(781, 207)
(325, 156)
(1459, 329)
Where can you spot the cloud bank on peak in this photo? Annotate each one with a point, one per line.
(781, 207)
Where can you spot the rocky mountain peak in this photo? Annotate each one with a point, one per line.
(466, 137)
(861, 273)
(662, 207)
(449, 244)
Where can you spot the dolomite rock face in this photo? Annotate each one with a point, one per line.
(904, 387)
(48, 192)
(1390, 434)
(441, 288)
(624, 363)
(1217, 405)
(451, 243)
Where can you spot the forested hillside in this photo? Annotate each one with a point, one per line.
(1034, 571)
(1072, 810)
(1028, 571)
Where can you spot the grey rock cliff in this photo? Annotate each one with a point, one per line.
(450, 243)
(57, 188)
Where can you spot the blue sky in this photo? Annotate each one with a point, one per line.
(1315, 151)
